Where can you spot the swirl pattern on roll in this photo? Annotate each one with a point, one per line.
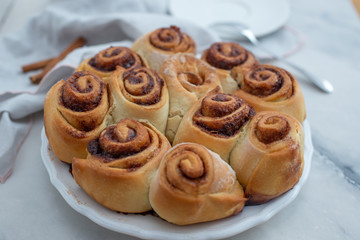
(125, 139)
(223, 114)
(108, 59)
(275, 131)
(271, 129)
(172, 39)
(190, 169)
(266, 80)
(142, 86)
(189, 80)
(226, 55)
(83, 92)
(195, 76)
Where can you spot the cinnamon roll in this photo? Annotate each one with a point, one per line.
(120, 164)
(155, 47)
(270, 88)
(215, 121)
(224, 56)
(269, 159)
(188, 79)
(194, 185)
(140, 93)
(75, 111)
(106, 61)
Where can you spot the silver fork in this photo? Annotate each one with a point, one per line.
(245, 31)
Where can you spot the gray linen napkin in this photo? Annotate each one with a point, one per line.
(47, 34)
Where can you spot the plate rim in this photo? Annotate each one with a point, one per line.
(175, 5)
(269, 209)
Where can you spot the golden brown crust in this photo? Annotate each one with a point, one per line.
(106, 61)
(270, 88)
(155, 47)
(140, 93)
(116, 164)
(215, 121)
(194, 185)
(188, 79)
(224, 56)
(75, 111)
(268, 159)
(227, 55)
(120, 165)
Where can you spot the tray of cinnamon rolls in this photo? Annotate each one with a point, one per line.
(154, 142)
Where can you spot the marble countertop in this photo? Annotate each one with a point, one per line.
(327, 206)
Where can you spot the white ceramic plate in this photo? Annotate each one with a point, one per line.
(148, 226)
(262, 16)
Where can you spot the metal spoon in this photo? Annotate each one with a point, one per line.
(245, 31)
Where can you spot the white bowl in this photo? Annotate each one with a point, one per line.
(147, 226)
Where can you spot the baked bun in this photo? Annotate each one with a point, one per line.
(157, 46)
(234, 124)
(195, 185)
(75, 111)
(188, 79)
(270, 88)
(106, 61)
(269, 158)
(120, 165)
(140, 93)
(224, 56)
(215, 121)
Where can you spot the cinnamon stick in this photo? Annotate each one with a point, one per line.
(36, 65)
(79, 42)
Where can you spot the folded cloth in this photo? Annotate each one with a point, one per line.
(47, 34)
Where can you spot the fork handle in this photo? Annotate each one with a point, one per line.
(322, 84)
